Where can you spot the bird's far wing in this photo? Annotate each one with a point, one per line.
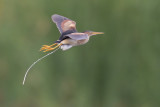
(77, 36)
(64, 24)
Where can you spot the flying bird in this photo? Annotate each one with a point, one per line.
(69, 37)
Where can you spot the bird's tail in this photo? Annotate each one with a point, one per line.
(58, 41)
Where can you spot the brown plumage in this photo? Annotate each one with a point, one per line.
(69, 35)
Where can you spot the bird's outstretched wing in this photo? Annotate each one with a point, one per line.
(64, 24)
(77, 36)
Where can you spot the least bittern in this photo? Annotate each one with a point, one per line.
(69, 37)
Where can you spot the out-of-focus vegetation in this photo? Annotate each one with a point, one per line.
(118, 69)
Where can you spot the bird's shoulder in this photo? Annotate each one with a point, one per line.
(77, 36)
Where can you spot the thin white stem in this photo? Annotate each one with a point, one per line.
(36, 62)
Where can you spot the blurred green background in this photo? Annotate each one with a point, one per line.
(118, 69)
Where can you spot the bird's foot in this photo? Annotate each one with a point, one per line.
(46, 48)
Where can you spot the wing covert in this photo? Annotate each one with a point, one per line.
(77, 36)
(64, 24)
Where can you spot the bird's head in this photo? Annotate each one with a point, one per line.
(91, 33)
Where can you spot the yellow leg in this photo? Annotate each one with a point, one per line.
(46, 48)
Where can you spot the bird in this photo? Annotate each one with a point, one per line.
(69, 35)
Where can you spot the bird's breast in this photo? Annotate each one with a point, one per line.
(81, 42)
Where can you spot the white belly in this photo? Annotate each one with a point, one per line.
(66, 47)
(68, 43)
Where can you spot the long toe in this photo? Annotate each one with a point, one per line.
(44, 47)
(48, 49)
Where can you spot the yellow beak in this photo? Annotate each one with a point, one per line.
(95, 33)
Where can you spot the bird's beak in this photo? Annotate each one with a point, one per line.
(95, 33)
